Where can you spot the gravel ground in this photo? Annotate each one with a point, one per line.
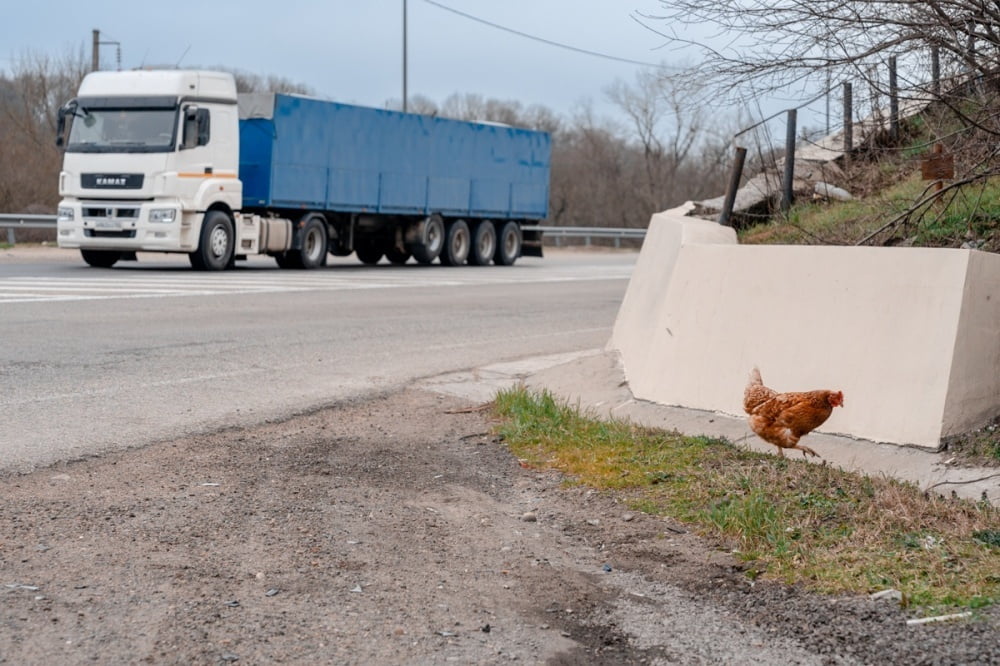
(396, 530)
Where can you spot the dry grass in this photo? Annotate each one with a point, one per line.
(832, 530)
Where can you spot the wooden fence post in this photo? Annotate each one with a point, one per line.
(786, 190)
(936, 71)
(893, 100)
(726, 216)
(848, 121)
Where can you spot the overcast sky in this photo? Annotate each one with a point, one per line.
(351, 50)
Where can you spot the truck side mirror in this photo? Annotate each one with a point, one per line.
(67, 109)
(197, 124)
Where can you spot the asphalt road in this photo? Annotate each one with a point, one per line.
(95, 360)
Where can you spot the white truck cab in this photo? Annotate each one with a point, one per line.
(148, 155)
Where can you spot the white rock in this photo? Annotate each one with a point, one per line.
(832, 192)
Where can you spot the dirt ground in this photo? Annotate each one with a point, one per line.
(396, 530)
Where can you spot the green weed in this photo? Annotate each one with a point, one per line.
(802, 523)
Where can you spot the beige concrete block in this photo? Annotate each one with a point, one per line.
(910, 335)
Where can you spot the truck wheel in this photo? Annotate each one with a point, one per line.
(484, 244)
(312, 253)
(215, 247)
(368, 252)
(397, 256)
(100, 258)
(431, 241)
(509, 245)
(456, 244)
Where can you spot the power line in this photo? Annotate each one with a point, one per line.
(540, 39)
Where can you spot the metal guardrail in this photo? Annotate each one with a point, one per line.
(14, 222)
(587, 233)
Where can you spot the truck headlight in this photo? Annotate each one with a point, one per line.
(165, 215)
(65, 213)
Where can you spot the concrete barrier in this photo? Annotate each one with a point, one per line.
(910, 335)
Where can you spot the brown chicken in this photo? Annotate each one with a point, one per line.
(782, 418)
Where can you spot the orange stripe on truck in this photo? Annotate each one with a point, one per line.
(206, 175)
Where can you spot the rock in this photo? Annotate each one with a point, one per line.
(890, 594)
(628, 517)
(829, 191)
(530, 517)
(939, 618)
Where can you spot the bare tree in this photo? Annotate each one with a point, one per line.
(750, 48)
(30, 96)
(249, 82)
(768, 45)
(667, 131)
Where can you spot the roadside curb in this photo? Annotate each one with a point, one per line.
(594, 381)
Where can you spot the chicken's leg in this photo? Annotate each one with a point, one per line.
(805, 450)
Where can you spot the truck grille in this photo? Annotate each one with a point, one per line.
(111, 212)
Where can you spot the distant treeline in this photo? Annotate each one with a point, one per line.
(607, 173)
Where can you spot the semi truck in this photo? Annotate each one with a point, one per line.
(176, 161)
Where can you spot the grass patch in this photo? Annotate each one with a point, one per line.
(887, 190)
(802, 523)
(979, 447)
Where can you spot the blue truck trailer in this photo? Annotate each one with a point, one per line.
(176, 161)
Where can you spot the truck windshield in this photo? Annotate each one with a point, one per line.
(129, 130)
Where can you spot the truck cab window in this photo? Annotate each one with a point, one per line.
(107, 130)
(197, 127)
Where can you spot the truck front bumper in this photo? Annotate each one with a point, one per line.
(128, 226)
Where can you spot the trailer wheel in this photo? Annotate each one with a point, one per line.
(397, 256)
(456, 244)
(509, 245)
(215, 246)
(368, 252)
(100, 258)
(484, 244)
(431, 241)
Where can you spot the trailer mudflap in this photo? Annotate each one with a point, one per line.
(531, 245)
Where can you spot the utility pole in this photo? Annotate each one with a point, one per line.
(404, 56)
(95, 52)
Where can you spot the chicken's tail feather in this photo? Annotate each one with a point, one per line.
(755, 377)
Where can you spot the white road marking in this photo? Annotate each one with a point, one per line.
(133, 284)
